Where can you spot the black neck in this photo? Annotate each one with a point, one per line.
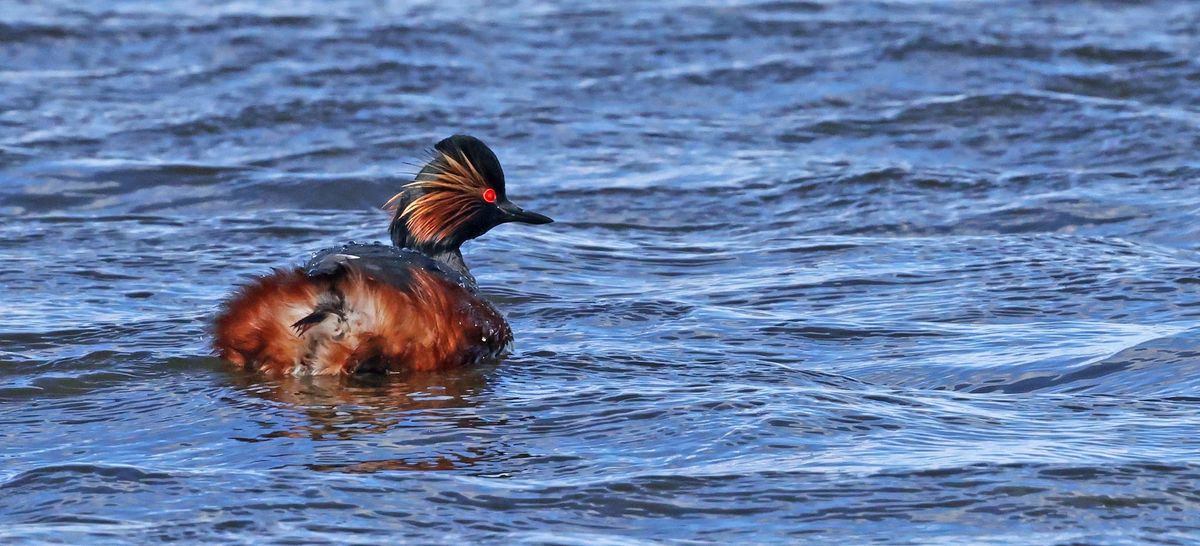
(452, 260)
(448, 257)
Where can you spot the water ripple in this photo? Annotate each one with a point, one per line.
(904, 272)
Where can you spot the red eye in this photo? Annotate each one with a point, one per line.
(489, 195)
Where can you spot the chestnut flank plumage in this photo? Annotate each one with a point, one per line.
(411, 306)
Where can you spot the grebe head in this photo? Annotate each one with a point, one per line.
(458, 196)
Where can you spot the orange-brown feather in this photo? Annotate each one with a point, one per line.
(255, 327)
(430, 324)
(451, 186)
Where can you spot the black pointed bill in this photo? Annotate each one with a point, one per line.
(513, 213)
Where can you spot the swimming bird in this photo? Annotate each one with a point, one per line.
(409, 306)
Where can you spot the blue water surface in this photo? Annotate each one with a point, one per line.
(905, 272)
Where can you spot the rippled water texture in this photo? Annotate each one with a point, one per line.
(909, 272)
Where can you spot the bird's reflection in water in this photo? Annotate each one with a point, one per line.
(431, 413)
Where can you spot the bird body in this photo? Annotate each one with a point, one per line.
(410, 306)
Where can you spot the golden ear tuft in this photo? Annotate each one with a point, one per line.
(393, 203)
(444, 172)
(451, 187)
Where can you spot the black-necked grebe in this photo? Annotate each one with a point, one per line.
(374, 307)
